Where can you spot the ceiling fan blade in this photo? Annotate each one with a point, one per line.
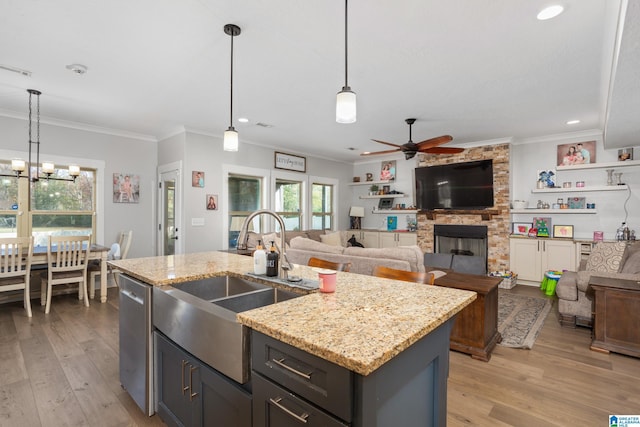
(387, 143)
(442, 150)
(434, 142)
(380, 152)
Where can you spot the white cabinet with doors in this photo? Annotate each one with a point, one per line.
(530, 258)
(393, 239)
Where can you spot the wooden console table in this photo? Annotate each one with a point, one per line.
(616, 315)
(475, 329)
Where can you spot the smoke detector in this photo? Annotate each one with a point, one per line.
(77, 68)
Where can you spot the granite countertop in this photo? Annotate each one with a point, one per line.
(362, 325)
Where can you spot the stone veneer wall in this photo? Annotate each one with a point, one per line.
(499, 226)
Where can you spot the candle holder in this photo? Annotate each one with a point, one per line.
(610, 176)
(619, 177)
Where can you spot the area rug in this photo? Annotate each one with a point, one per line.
(520, 318)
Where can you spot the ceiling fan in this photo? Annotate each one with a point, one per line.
(410, 149)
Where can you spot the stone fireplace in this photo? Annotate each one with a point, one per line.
(496, 221)
(468, 240)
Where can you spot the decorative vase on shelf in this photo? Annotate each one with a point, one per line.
(610, 176)
(619, 177)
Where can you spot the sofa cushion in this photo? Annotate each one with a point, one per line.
(288, 235)
(605, 257)
(630, 257)
(412, 254)
(315, 235)
(312, 245)
(333, 239)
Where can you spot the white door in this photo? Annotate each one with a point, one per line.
(169, 210)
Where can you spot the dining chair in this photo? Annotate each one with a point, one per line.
(15, 266)
(321, 263)
(93, 270)
(67, 258)
(407, 276)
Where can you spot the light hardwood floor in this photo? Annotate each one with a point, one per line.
(62, 369)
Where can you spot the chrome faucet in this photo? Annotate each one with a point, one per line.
(285, 265)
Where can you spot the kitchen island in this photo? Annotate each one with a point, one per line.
(373, 353)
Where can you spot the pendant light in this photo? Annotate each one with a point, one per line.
(346, 99)
(18, 166)
(230, 135)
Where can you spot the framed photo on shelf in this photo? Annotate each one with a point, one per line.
(563, 231)
(543, 225)
(521, 228)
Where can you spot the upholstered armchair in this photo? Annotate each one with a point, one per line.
(607, 259)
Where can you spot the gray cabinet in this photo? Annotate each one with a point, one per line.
(190, 393)
(292, 387)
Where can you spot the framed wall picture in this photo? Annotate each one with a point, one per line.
(388, 171)
(212, 202)
(625, 154)
(520, 228)
(197, 179)
(126, 188)
(563, 231)
(578, 153)
(290, 162)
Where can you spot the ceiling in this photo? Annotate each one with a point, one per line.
(481, 71)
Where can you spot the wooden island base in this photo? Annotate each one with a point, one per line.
(475, 330)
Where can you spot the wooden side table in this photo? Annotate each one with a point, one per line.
(616, 315)
(475, 329)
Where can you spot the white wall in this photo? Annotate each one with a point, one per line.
(534, 155)
(404, 182)
(120, 154)
(205, 153)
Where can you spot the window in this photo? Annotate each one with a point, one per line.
(321, 206)
(245, 195)
(56, 207)
(288, 203)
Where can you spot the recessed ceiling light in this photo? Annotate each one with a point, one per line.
(550, 12)
(573, 122)
(77, 68)
(243, 120)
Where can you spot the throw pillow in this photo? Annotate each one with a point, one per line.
(632, 264)
(305, 244)
(272, 237)
(331, 239)
(605, 257)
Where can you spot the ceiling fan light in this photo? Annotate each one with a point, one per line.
(346, 106)
(230, 139)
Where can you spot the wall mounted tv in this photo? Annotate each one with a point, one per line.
(466, 185)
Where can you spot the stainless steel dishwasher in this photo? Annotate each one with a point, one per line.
(136, 350)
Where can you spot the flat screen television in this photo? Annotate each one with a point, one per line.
(467, 185)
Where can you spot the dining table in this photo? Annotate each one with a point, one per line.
(97, 252)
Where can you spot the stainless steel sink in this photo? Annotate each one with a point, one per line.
(200, 316)
(249, 301)
(218, 287)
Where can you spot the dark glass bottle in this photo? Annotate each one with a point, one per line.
(272, 261)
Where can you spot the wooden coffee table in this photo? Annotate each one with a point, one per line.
(616, 325)
(475, 330)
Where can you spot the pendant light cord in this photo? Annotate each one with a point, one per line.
(346, 56)
(231, 91)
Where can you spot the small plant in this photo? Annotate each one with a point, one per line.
(373, 188)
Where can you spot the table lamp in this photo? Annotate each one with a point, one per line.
(356, 213)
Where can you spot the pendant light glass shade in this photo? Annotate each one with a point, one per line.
(346, 99)
(346, 106)
(230, 139)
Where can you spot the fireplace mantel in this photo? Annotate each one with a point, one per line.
(486, 214)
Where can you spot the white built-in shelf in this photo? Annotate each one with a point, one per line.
(395, 211)
(554, 211)
(581, 189)
(604, 165)
(384, 196)
(371, 182)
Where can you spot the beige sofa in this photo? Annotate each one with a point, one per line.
(608, 259)
(363, 260)
(334, 246)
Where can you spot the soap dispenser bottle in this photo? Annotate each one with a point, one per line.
(259, 260)
(272, 261)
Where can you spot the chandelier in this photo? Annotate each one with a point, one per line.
(23, 169)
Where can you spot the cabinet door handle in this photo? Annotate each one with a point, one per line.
(184, 388)
(280, 362)
(192, 395)
(301, 418)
